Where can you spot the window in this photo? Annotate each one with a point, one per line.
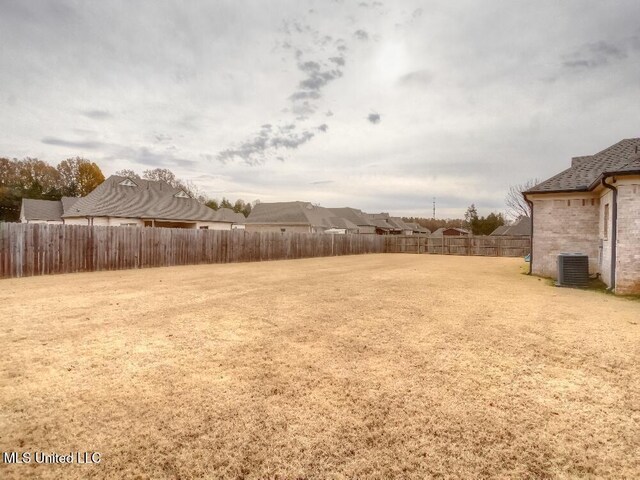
(182, 194)
(606, 222)
(127, 182)
(128, 224)
(204, 228)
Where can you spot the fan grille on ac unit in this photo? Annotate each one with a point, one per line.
(573, 270)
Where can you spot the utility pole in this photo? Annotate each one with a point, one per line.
(434, 208)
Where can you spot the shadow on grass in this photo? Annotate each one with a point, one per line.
(595, 285)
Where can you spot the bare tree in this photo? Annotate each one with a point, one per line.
(125, 172)
(516, 205)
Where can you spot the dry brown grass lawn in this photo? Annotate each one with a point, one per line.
(372, 366)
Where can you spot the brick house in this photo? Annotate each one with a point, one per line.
(131, 202)
(593, 207)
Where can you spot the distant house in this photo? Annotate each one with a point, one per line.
(593, 207)
(301, 217)
(520, 228)
(418, 229)
(357, 217)
(450, 232)
(308, 218)
(388, 225)
(44, 211)
(122, 201)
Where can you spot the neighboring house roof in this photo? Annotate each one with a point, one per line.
(399, 223)
(521, 227)
(355, 216)
(227, 215)
(500, 230)
(145, 199)
(585, 172)
(441, 231)
(304, 213)
(68, 202)
(418, 228)
(342, 223)
(291, 213)
(381, 223)
(50, 210)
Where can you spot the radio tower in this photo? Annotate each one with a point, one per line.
(434, 208)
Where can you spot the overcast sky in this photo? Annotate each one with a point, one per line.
(378, 105)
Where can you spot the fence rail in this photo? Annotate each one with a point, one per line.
(490, 246)
(40, 249)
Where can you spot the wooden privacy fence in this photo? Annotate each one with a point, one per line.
(490, 246)
(40, 249)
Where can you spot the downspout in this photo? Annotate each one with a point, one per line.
(614, 231)
(530, 203)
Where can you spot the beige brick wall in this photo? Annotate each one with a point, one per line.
(628, 255)
(564, 224)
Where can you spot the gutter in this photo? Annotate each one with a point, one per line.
(530, 203)
(614, 229)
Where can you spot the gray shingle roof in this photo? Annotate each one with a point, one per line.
(68, 202)
(299, 213)
(49, 210)
(441, 230)
(418, 228)
(282, 213)
(227, 215)
(355, 216)
(586, 171)
(521, 227)
(148, 199)
(500, 230)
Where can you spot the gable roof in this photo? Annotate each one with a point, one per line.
(224, 214)
(147, 199)
(355, 216)
(521, 227)
(585, 172)
(500, 230)
(68, 202)
(441, 230)
(418, 228)
(281, 212)
(299, 213)
(50, 210)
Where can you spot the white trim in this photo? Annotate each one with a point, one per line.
(127, 182)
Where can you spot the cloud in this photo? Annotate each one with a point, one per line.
(418, 78)
(97, 114)
(361, 35)
(321, 182)
(83, 144)
(161, 138)
(146, 156)
(593, 55)
(302, 95)
(268, 139)
(319, 70)
(374, 118)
